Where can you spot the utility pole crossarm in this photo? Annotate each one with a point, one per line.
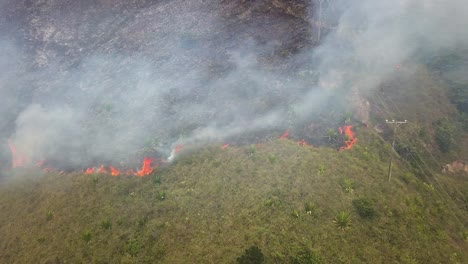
(395, 124)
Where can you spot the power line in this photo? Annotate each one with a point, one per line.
(420, 161)
(396, 125)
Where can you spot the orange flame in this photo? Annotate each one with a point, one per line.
(225, 146)
(102, 169)
(47, 169)
(40, 163)
(351, 140)
(114, 171)
(16, 160)
(178, 148)
(89, 170)
(303, 143)
(285, 135)
(146, 167)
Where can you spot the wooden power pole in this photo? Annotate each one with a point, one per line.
(395, 125)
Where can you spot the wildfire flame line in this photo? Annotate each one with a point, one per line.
(146, 168)
(147, 164)
(350, 139)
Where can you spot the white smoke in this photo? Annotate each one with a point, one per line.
(187, 79)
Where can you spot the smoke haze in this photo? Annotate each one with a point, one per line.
(83, 81)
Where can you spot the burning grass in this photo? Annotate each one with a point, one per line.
(149, 164)
(208, 207)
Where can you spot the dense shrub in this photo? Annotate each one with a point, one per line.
(252, 255)
(445, 135)
(365, 207)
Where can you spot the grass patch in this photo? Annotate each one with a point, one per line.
(86, 236)
(106, 224)
(306, 256)
(50, 215)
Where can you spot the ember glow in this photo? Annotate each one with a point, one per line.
(350, 140)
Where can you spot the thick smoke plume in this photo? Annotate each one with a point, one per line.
(85, 82)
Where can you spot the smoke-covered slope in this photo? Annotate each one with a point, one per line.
(85, 83)
(103, 80)
(99, 79)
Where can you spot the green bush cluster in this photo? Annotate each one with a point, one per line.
(365, 207)
(343, 220)
(252, 255)
(445, 135)
(311, 208)
(86, 236)
(348, 185)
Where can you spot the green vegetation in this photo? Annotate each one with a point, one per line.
(295, 213)
(321, 170)
(252, 255)
(272, 158)
(210, 206)
(343, 220)
(445, 135)
(465, 235)
(133, 247)
(95, 179)
(106, 224)
(86, 235)
(306, 256)
(347, 185)
(157, 179)
(311, 209)
(365, 207)
(50, 215)
(331, 135)
(251, 150)
(162, 195)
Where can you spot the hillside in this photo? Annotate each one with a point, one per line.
(213, 204)
(243, 131)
